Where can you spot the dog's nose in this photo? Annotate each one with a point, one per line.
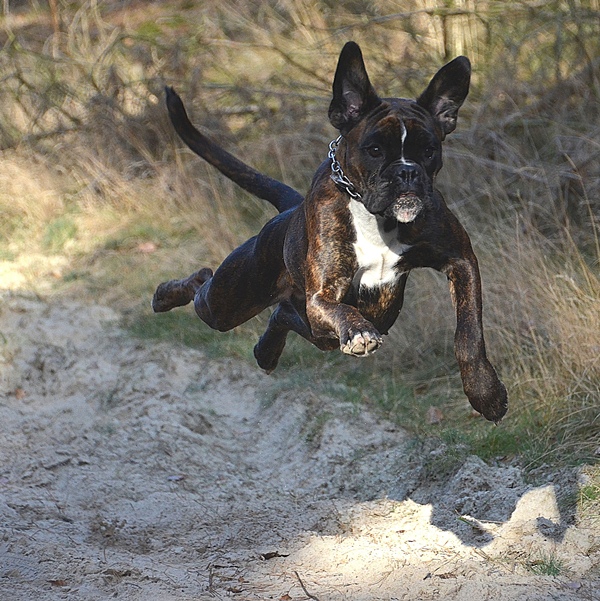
(409, 174)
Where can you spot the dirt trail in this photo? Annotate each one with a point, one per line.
(148, 472)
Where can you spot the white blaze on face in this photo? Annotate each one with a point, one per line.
(403, 160)
(404, 134)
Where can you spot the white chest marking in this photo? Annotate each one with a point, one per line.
(377, 252)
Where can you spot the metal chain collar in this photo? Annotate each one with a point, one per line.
(337, 173)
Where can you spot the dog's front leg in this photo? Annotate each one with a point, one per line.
(329, 317)
(486, 393)
(332, 319)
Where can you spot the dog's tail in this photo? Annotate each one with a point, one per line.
(282, 197)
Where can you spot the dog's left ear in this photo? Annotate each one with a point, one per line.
(446, 92)
(353, 94)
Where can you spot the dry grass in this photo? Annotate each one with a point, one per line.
(99, 199)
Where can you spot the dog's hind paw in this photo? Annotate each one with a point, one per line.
(269, 348)
(361, 343)
(177, 293)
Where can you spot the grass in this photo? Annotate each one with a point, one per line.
(58, 233)
(588, 500)
(546, 565)
(99, 199)
(185, 328)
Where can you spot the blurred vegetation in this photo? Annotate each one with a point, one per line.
(98, 197)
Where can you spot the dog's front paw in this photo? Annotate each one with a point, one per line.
(486, 393)
(360, 341)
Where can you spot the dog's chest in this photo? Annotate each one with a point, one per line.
(377, 252)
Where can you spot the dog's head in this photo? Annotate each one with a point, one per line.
(393, 146)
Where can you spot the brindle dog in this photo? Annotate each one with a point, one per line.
(336, 263)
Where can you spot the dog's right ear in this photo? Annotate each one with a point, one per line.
(353, 94)
(446, 93)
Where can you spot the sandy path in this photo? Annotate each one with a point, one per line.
(148, 472)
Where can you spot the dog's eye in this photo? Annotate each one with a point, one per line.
(375, 151)
(429, 152)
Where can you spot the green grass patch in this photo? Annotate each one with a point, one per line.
(150, 30)
(589, 496)
(9, 223)
(130, 237)
(7, 255)
(484, 439)
(184, 327)
(178, 21)
(58, 233)
(546, 565)
(314, 429)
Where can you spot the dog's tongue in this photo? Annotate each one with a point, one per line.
(406, 216)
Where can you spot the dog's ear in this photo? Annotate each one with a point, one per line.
(353, 94)
(446, 92)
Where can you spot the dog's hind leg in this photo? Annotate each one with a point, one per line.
(284, 319)
(271, 344)
(177, 293)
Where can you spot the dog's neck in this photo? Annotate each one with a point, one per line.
(337, 173)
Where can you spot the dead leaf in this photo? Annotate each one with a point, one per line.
(58, 582)
(20, 394)
(285, 597)
(147, 247)
(421, 389)
(434, 415)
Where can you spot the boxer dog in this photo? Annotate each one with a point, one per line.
(335, 264)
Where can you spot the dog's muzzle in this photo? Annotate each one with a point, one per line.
(405, 209)
(406, 174)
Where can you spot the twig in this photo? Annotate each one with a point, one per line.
(304, 588)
